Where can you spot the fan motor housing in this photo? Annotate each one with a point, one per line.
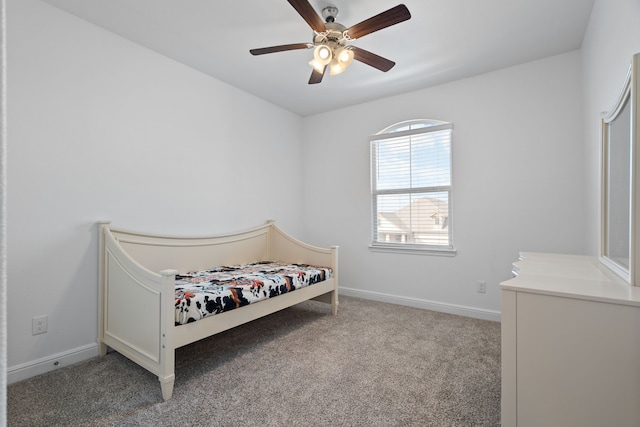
(334, 35)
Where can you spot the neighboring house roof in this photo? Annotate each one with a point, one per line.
(398, 222)
(390, 222)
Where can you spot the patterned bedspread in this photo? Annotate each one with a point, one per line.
(204, 293)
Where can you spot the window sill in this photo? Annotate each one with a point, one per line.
(413, 249)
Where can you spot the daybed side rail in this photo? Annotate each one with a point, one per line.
(136, 309)
(155, 252)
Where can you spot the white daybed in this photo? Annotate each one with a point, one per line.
(137, 276)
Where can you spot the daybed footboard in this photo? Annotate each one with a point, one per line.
(136, 311)
(137, 290)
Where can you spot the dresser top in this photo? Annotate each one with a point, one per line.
(572, 276)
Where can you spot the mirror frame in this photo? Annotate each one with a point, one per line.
(628, 97)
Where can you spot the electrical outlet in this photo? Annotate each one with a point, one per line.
(482, 287)
(39, 325)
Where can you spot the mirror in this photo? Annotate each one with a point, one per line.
(619, 186)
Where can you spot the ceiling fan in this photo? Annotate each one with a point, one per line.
(331, 39)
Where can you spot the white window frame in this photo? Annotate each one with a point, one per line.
(425, 126)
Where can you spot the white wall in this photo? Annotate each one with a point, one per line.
(518, 174)
(611, 39)
(101, 128)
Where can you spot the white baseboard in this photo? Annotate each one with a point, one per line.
(50, 363)
(477, 313)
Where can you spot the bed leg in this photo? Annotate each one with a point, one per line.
(102, 349)
(334, 303)
(167, 386)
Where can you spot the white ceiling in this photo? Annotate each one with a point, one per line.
(444, 40)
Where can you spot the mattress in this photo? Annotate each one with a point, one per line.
(204, 293)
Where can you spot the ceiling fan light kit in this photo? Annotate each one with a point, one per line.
(342, 58)
(330, 45)
(331, 39)
(322, 55)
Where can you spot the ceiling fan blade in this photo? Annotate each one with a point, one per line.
(308, 14)
(366, 57)
(316, 76)
(393, 16)
(281, 48)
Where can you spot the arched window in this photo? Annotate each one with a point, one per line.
(411, 186)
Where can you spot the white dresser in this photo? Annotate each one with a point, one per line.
(570, 344)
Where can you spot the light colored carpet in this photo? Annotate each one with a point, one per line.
(373, 364)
